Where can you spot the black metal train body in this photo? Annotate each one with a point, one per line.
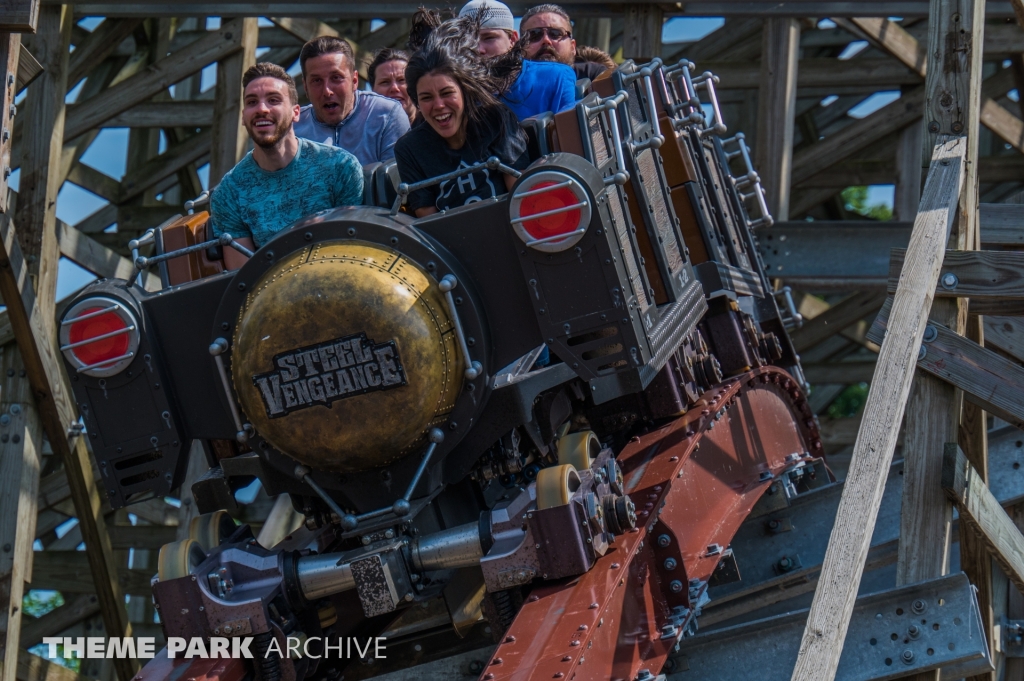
(388, 372)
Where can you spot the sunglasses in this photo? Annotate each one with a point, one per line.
(554, 34)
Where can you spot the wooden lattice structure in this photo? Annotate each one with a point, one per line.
(789, 79)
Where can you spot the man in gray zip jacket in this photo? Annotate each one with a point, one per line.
(339, 114)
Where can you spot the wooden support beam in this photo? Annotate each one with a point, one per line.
(844, 76)
(641, 37)
(1006, 334)
(978, 508)
(304, 29)
(952, 100)
(165, 165)
(19, 482)
(890, 37)
(987, 379)
(908, 172)
(98, 259)
(29, 68)
(100, 44)
(46, 376)
(19, 16)
(978, 275)
(776, 111)
(92, 180)
(229, 136)
(843, 566)
(34, 668)
(837, 318)
(75, 609)
(840, 145)
(1002, 224)
(844, 373)
(173, 114)
(158, 77)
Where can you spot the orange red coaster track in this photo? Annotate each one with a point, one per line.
(694, 481)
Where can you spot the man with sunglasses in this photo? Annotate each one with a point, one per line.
(547, 36)
(540, 86)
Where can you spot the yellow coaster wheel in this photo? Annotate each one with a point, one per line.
(578, 449)
(210, 529)
(555, 486)
(178, 559)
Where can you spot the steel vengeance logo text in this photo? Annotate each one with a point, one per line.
(325, 372)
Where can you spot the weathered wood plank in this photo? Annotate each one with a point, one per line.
(845, 373)
(776, 111)
(848, 546)
(641, 30)
(980, 509)
(19, 16)
(74, 610)
(29, 68)
(863, 74)
(192, 150)
(1002, 224)
(69, 571)
(157, 78)
(996, 275)
(839, 146)
(100, 44)
(837, 318)
(173, 114)
(987, 379)
(93, 256)
(229, 135)
(1006, 334)
(34, 668)
(304, 29)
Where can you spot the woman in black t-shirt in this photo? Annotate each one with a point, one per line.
(463, 123)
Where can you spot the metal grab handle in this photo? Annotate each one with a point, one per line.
(609, 105)
(217, 349)
(200, 200)
(795, 318)
(695, 115)
(492, 163)
(708, 80)
(749, 179)
(645, 74)
(447, 284)
(142, 262)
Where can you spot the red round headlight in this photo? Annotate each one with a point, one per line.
(99, 336)
(550, 211)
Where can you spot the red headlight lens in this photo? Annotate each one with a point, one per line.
(99, 336)
(98, 339)
(550, 211)
(550, 223)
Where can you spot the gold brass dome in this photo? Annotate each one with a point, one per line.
(344, 356)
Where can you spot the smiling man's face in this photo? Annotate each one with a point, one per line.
(268, 111)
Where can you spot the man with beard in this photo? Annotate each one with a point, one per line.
(284, 178)
(339, 113)
(547, 33)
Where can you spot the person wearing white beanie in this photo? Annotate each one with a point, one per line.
(497, 26)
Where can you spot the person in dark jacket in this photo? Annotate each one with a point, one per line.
(464, 123)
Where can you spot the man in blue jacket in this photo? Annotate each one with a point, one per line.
(541, 86)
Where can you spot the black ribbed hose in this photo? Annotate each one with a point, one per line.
(268, 667)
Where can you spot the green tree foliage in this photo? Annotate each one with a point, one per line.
(849, 402)
(855, 199)
(37, 603)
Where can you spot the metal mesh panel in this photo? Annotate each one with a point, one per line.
(636, 109)
(597, 139)
(626, 246)
(662, 216)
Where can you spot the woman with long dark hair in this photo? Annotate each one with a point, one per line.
(465, 123)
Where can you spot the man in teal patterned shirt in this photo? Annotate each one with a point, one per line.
(284, 178)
